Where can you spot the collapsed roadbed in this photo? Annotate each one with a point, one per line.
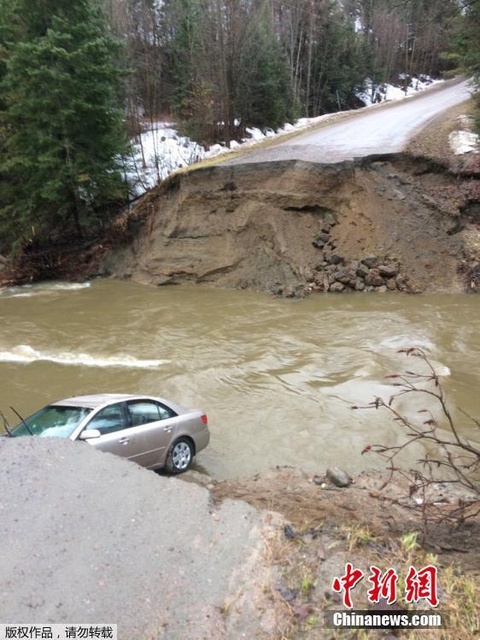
(398, 223)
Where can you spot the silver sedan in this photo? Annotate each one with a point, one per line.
(153, 432)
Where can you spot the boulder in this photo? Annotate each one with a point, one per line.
(362, 271)
(391, 284)
(320, 240)
(359, 285)
(401, 282)
(370, 261)
(344, 276)
(336, 259)
(388, 270)
(374, 279)
(338, 477)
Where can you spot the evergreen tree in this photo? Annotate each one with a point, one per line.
(338, 65)
(189, 51)
(63, 131)
(263, 83)
(468, 39)
(468, 48)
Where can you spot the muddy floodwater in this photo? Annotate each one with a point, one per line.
(277, 377)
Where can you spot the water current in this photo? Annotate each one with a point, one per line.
(276, 377)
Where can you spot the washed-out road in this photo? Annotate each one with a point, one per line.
(383, 129)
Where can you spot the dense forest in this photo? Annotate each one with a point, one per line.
(78, 78)
(219, 65)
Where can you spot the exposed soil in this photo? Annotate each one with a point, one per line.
(383, 223)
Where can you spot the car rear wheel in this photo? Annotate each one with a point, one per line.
(180, 456)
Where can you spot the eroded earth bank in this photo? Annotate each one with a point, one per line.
(380, 223)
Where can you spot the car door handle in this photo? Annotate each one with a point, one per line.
(124, 440)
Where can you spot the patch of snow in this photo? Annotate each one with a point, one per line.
(465, 121)
(375, 93)
(215, 149)
(254, 133)
(463, 142)
(158, 152)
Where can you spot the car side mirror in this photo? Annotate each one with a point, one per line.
(89, 434)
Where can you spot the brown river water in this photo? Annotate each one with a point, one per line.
(277, 377)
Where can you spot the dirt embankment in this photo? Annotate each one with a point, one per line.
(405, 222)
(398, 222)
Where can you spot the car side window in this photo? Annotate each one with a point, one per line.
(108, 420)
(146, 411)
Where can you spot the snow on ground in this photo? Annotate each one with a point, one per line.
(373, 94)
(464, 140)
(160, 150)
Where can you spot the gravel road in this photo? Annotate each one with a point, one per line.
(91, 538)
(379, 130)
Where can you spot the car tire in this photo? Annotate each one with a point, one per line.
(180, 456)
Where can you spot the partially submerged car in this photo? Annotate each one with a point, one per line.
(153, 432)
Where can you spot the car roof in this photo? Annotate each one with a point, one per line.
(97, 399)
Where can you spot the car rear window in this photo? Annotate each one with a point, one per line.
(146, 411)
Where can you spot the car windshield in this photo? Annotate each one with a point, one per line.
(54, 420)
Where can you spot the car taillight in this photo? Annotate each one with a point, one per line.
(204, 418)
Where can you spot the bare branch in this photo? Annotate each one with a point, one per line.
(452, 460)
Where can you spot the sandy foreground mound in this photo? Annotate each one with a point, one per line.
(91, 538)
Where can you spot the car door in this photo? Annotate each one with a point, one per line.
(154, 425)
(116, 435)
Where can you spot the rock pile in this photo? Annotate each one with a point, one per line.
(336, 273)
